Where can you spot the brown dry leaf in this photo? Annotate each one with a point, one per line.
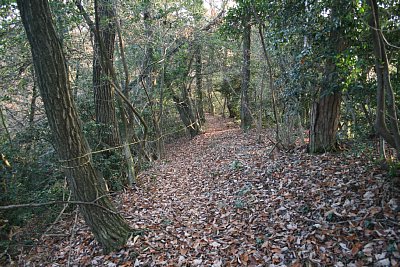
(217, 200)
(356, 248)
(244, 258)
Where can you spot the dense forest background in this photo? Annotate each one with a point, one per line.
(93, 91)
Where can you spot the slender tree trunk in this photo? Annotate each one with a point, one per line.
(210, 104)
(86, 184)
(147, 79)
(271, 83)
(260, 109)
(124, 115)
(199, 86)
(382, 149)
(211, 108)
(107, 63)
(147, 68)
(33, 107)
(245, 115)
(75, 86)
(103, 90)
(392, 136)
(159, 129)
(224, 107)
(4, 124)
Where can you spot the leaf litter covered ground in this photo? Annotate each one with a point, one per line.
(222, 199)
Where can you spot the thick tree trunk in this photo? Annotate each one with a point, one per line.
(325, 111)
(103, 90)
(324, 123)
(86, 184)
(245, 115)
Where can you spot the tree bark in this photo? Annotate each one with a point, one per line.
(325, 111)
(211, 108)
(33, 106)
(103, 90)
(184, 103)
(126, 117)
(245, 115)
(392, 136)
(324, 123)
(209, 78)
(199, 86)
(87, 185)
(185, 110)
(147, 79)
(147, 67)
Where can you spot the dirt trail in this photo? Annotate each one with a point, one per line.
(194, 201)
(219, 200)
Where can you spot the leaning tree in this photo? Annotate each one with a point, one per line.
(87, 185)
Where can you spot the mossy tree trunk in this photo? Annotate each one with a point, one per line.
(87, 185)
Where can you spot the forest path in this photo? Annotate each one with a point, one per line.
(196, 200)
(219, 200)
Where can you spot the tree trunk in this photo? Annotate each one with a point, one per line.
(86, 184)
(245, 115)
(33, 106)
(199, 86)
(211, 108)
(184, 103)
(124, 115)
(325, 111)
(324, 123)
(159, 129)
(5, 127)
(210, 104)
(231, 105)
(392, 136)
(271, 83)
(103, 90)
(147, 67)
(186, 114)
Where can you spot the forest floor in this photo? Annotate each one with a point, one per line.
(222, 199)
